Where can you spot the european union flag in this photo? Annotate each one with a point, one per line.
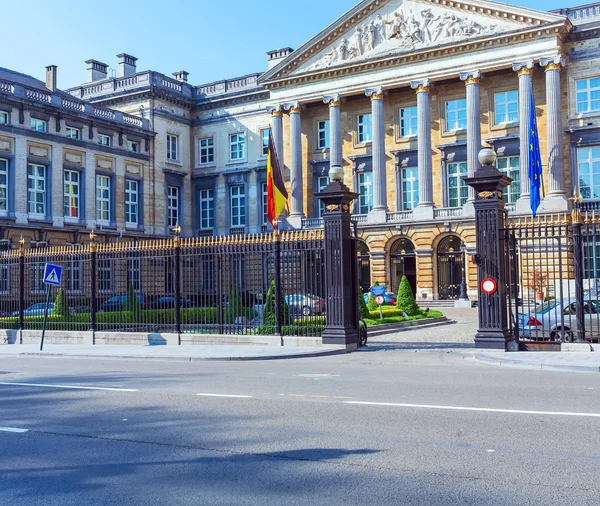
(534, 164)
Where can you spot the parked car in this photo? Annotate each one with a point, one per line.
(169, 303)
(305, 305)
(556, 320)
(36, 309)
(390, 298)
(117, 303)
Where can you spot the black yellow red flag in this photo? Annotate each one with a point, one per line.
(277, 195)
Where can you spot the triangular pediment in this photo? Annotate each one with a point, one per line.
(378, 29)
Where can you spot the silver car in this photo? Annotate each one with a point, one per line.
(556, 320)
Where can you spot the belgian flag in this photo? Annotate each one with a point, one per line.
(277, 195)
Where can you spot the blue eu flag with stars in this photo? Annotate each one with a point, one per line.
(534, 164)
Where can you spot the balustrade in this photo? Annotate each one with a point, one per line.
(37, 95)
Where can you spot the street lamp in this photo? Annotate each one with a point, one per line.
(463, 284)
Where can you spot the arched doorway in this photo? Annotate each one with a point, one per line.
(364, 266)
(449, 266)
(403, 262)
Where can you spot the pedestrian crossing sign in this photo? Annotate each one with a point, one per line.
(52, 274)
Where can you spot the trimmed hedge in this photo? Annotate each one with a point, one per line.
(119, 319)
(395, 319)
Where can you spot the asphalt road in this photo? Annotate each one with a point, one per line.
(375, 427)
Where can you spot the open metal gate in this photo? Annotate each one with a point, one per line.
(552, 276)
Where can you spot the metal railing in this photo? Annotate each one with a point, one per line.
(400, 216)
(204, 285)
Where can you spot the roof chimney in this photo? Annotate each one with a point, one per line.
(126, 64)
(182, 76)
(96, 70)
(51, 77)
(277, 55)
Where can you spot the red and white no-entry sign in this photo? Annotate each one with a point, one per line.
(489, 286)
(380, 299)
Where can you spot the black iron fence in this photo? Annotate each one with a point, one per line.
(554, 278)
(248, 284)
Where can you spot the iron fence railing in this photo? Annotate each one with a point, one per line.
(553, 278)
(204, 285)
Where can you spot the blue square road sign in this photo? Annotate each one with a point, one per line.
(52, 274)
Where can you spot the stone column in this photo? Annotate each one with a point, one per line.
(556, 199)
(277, 129)
(296, 197)
(335, 129)
(378, 213)
(524, 70)
(471, 80)
(424, 210)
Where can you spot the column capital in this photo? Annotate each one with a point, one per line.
(552, 62)
(421, 85)
(275, 110)
(375, 93)
(332, 100)
(293, 107)
(470, 76)
(523, 67)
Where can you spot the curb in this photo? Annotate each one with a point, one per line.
(500, 362)
(381, 330)
(177, 359)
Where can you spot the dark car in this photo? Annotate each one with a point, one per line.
(117, 303)
(169, 303)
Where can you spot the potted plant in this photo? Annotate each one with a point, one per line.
(537, 283)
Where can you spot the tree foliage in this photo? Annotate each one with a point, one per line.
(269, 308)
(406, 299)
(362, 305)
(61, 304)
(132, 302)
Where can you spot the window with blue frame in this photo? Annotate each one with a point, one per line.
(456, 115)
(510, 166)
(237, 205)
(410, 188)
(458, 191)
(588, 166)
(506, 107)
(207, 209)
(365, 191)
(322, 182)
(365, 130)
(588, 95)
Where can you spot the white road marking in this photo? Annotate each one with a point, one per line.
(486, 410)
(226, 395)
(12, 429)
(72, 387)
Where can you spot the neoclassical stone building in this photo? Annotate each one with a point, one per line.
(67, 166)
(402, 94)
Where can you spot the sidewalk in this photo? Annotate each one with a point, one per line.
(182, 353)
(543, 361)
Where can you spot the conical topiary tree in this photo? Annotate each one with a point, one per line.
(362, 305)
(61, 304)
(131, 301)
(269, 309)
(406, 299)
(372, 305)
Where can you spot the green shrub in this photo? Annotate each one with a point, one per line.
(236, 307)
(269, 321)
(406, 299)
(362, 305)
(371, 305)
(61, 304)
(132, 304)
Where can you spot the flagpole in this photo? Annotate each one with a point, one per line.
(277, 276)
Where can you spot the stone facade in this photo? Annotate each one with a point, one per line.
(49, 139)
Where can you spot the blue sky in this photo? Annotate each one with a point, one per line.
(211, 39)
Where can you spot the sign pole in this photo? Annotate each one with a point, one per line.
(45, 316)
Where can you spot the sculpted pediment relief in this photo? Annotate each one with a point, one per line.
(404, 27)
(378, 29)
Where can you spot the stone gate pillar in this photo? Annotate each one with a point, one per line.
(488, 184)
(341, 276)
